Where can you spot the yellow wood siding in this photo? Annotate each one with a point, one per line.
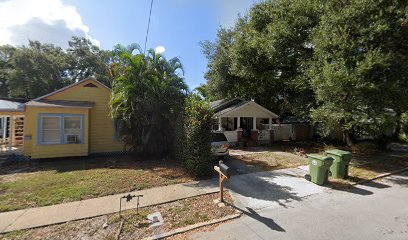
(101, 127)
(35, 150)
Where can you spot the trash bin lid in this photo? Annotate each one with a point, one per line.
(319, 157)
(338, 152)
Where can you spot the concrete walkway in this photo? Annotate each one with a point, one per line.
(43, 216)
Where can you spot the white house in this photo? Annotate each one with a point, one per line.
(237, 117)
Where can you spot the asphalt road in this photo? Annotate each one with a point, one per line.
(377, 210)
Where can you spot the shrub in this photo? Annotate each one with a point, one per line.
(193, 137)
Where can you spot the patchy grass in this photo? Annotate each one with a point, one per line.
(376, 166)
(273, 160)
(135, 226)
(35, 184)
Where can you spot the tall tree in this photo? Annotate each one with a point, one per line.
(359, 65)
(263, 55)
(87, 59)
(36, 70)
(5, 67)
(148, 94)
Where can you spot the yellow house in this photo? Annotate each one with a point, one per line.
(72, 121)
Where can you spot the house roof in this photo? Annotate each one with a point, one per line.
(60, 104)
(231, 107)
(224, 106)
(73, 85)
(11, 106)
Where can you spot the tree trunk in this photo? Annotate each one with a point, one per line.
(348, 138)
(397, 129)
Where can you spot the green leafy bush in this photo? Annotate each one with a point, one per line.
(193, 136)
(403, 137)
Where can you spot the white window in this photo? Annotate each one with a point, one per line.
(51, 129)
(72, 129)
(61, 129)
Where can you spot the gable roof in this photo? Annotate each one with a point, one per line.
(73, 85)
(223, 106)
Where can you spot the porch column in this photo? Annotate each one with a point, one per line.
(254, 124)
(219, 124)
(10, 132)
(4, 128)
(270, 123)
(238, 122)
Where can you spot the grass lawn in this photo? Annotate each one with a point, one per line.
(367, 163)
(135, 226)
(41, 183)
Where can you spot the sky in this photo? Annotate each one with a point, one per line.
(176, 27)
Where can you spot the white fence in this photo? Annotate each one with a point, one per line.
(283, 132)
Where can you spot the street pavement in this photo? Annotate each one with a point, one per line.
(376, 210)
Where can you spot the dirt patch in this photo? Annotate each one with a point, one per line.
(368, 170)
(273, 160)
(135, 226)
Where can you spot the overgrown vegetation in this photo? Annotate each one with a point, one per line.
(193, 142)
(147, 95)
(341, 64)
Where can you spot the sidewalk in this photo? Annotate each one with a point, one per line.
(43, 216)
(255, 190)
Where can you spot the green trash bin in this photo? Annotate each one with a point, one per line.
(319, 166)
(339, 168)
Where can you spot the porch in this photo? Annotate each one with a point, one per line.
(11, 126)
(260, 130)
(11, 133)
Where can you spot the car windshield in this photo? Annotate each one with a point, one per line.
(218, 137)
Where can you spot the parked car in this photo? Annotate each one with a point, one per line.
(219, 144)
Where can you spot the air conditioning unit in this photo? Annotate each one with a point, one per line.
(71, 139)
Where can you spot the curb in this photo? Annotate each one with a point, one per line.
(192, 227)
(379, 176)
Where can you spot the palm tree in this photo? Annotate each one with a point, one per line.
(148, 93)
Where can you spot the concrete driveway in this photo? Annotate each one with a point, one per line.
(377, 210)
(251, 187)
(270, 189)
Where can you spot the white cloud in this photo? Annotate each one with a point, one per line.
(43, 20)
(159, 50)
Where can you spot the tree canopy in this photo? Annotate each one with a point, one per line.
(40, 68)
(341, 64)
(148, 94)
